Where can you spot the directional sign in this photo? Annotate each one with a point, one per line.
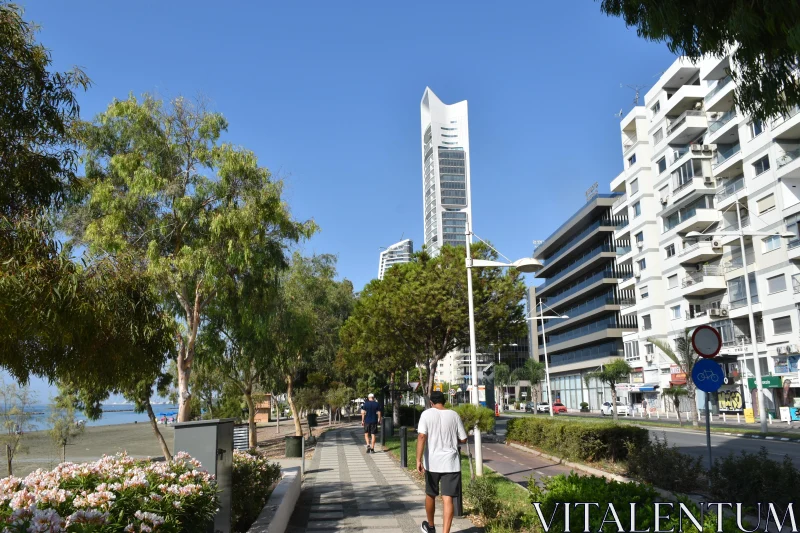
(706, 341)
(453, 392)
(707, 375)
(413, 385)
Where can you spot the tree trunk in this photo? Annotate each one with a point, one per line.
(159, 437)
(64, 452)
(429, 383)
(330, 415)
(613, 403)
(251, 419)
(184, 370)
(298, 429)
(396, 410)
(693, 401)
(8, 458)
(677, 403)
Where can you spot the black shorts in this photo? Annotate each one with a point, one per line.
(371, 429)
(451, 483)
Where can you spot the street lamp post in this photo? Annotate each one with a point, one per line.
(526, 264)
(546, 362)
(762, 411)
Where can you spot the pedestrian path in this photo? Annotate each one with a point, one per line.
(346, 489)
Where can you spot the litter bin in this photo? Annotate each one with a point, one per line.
(294, 446)
(312, 420)
(388, 427)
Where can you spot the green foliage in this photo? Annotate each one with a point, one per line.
(253, 477)
(417, 313)
(572, 489)
(472, 414)
(612, 373)
(64, 428)
(502, 375)
(16, 418)
(409, 414)
(764, 480)
(582, 441)
(308, 399)
(761, 35)
(676, 393)
(685, 357)
(481, 493)
(659, 464)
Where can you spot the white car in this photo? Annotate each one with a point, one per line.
(622, 409)
(543, 407)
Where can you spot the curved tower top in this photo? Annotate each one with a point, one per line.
(446, 198)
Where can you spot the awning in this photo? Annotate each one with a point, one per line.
(649, 387)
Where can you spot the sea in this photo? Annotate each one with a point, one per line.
(113, 413)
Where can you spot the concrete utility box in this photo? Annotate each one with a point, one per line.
(211, 443)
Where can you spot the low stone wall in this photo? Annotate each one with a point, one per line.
(275, 515)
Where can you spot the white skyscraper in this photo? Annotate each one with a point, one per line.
(399, 252)
(446, 198)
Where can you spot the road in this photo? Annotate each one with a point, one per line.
(694, 443)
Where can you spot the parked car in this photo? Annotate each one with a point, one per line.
(622, 409)
(530, 407)
(559, 407)
(543, 407)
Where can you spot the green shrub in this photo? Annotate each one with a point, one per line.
(579, 489)
(584, 405)
(750, 478)
(471, 414)
(481, 492)
(252, 481)
(582, 441)
(659, 464)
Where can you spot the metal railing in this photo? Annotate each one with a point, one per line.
(682, 186)
(720, 121)
(627, 145)
(780, 120)
(578, 261)
(788, 157)
(796, 283)
(682, 118)
(734, 226)
(733, 186)
(727, 153)
(610, 222)
(793, 244)
(741, 302)
(721, 84)
(622, 250)
(615, 273)
(619, 201)
(699, 277)
(578, 310)
(679, 152)
(696, 246)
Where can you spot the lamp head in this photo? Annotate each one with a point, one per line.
(527, 265)
(788, 235)
(694, 234)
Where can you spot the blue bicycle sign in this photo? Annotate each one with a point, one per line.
(707, 375)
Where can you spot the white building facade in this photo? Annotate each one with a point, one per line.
(446, 199)
(399, 252)
(694, 164)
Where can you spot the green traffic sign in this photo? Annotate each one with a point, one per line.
(767, 382)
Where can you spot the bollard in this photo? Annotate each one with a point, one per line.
(458, 501)
(404, 447)
(710, 417)
(303, 455)
(724, 418)
(383, 432)
(737, 419)
(770, 419)
(658, 415)
(648, 414)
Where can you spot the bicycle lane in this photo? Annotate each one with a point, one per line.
(518, 465)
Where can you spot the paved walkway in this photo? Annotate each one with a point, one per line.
(347, 490)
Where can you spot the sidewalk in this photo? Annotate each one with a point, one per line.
(347, 490)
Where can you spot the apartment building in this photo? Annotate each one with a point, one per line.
(582, 276)
(399, 252)
(696, 171)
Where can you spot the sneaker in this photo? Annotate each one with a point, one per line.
(427, 528)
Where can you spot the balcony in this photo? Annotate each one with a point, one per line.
(699, 252)
(729, 189)
(787, 127)
(628, 144)
(686, 127)
(796, 283)
(685, 98)
(720, 127)
(719, 98)
(619, 202)
(793, 249)
(602, 225)
(706, 281)
(609, 275)
(698, 184)
(600, 304)
(579, 263)
(725, 154)
(789, 164)
(695, 220)
(612, 326)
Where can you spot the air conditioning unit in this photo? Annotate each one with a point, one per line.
(648, 358)
(708, 180)
(716, 243)
(714, 311)
(664, 200)
(707, 147)
(696, 147)
(781, 350)
(792, 348)
(723, 312)
(711, 147)
(640, 244)
(637, 273)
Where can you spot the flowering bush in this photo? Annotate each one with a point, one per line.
(114, 494)
(253, 477)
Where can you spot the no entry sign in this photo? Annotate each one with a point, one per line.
(706, 341)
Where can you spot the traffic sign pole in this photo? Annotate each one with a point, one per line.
(707, 375)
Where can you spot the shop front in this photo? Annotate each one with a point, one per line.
(789, 396)
(645, 398)
(773, 386)
(730, 397)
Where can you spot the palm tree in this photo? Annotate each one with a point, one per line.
(533, 372)
(676, 393)
(502, 378)
(685, 357)
(613, 373)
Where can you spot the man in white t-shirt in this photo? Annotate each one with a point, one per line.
(440, 431)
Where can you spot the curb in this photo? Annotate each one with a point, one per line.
(275, 516)
(576, 466)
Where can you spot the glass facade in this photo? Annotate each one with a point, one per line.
(453, 177)
(454, 228)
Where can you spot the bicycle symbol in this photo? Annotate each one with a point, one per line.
(708, 375)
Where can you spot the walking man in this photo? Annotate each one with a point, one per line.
(440, 431)
(371, 414)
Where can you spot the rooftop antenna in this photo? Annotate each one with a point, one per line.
(536, 245)
(636, 88)
(618, 115)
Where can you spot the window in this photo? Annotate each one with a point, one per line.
(762, 165)
(670, 250)
(672, 281)
(656, 108)
(642, 264)
(646, 322)
(632, 160)
(644, 292)
(781, 325)
(773, 242)
(766, 203)
(631, 351)
(658, 136)
(640, 237)
(776, 283)
(675, 312)
(756, 128)
(648, 349)
(634, 186)
(637, 209)
(662, 164)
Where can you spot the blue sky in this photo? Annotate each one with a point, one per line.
(327, 95)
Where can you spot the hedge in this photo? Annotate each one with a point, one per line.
(581, 441)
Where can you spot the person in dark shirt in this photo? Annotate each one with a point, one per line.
(371, 414)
